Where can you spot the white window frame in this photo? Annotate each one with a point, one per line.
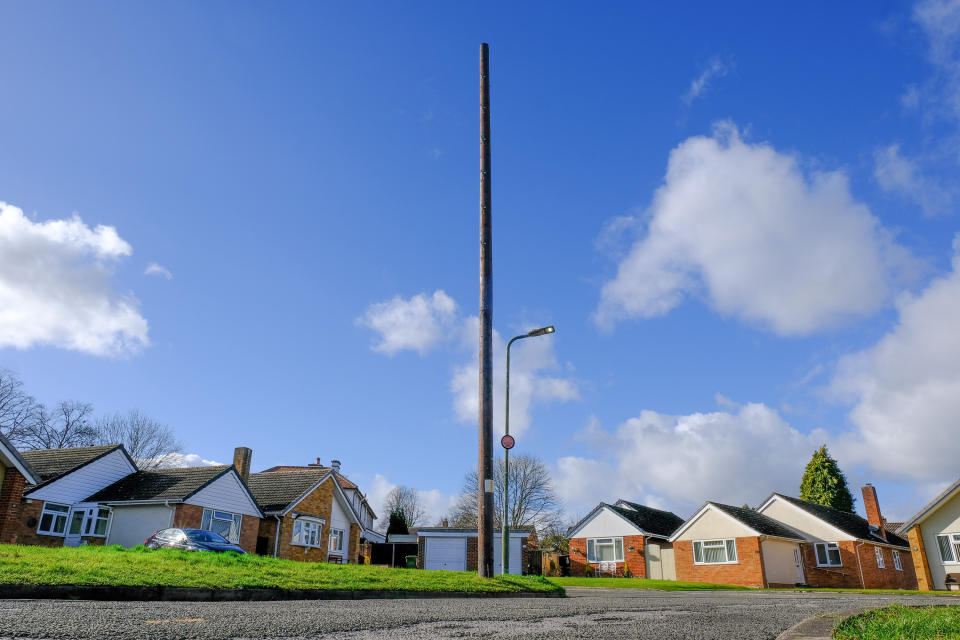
(302, 530)
(95, 515)
(235, 520)
(881, 563)
(725, 544)
(616, 542)
(897, 564)
(55, 514)
(953, 544)
(827, 548)
(336, 535)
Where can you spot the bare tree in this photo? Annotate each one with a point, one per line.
(145, 439)
(66, 425)
(533, 498)
(18, 409)
(405, 503)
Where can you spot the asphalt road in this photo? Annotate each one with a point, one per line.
(588, 613)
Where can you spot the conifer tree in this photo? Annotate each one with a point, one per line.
(824, 483)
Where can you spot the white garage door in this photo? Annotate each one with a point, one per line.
(132, 525)
(449, 554)
(516, 556)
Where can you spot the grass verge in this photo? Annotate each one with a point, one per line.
(643, 583)
(898, 622)
(140, 567)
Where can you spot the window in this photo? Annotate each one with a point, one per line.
(336, 540)
(605, 550)
(896, 561)
(222, 522)
(879, 553)
(949, 545)
(715, 551)
(53, 519)
(97, 523)
(828, 554)
(306, 532)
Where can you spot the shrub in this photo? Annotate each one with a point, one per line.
(626, 571)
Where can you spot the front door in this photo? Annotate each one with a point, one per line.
(798, 561)
(78, 516)
(654, 564)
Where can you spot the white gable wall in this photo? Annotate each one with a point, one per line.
(945, 519)
(226, 494)
(606, 523)
(340, 520)
(812, 528)
(86, 481)
(714, 524)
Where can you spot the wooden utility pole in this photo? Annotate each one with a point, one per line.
(485, 466)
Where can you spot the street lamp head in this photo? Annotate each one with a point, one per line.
(542, 331)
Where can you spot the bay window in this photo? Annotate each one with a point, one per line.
(605, 550)
(306, 532)
(828, 554)
(222, 522)
(715, 551)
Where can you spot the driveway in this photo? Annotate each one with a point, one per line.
(587, 613)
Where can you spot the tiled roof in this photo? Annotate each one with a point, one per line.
(159, 484)
(849, 523)
(51, 464)
(275, 490)
(651, 520)
(344, 482)
(891, 527)
(764, 525)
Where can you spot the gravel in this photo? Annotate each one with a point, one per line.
(587, 613)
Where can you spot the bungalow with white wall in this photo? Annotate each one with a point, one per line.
(934, 536)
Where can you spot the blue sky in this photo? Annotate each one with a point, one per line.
(741, 222)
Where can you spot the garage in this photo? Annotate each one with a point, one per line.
(132, 525)
(516, 555)
(447, 554)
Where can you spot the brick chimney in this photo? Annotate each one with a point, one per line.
(241, 462)
(335, 465)
(872, 507)
(315, 464)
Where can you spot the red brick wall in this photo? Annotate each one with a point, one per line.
(190, 516)
(10, 509)
(748, 571)
(849, 574)
(635, 559)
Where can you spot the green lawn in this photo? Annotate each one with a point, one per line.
(898, 622)
(139, 566)
(643, 583)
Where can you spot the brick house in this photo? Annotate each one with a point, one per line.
(842, 549)
(312, 513)
(732, 545)
(213, 498)
(96, 495)
(624, 537)
(934, 536)
(15, 474)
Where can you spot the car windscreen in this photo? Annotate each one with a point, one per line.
(206, 536)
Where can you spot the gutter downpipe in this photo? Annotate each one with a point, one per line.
(860, 564)
(276, 538)
(166, 503)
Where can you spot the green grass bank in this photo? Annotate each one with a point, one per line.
(898, 622)
(140, 567)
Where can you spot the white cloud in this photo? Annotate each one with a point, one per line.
(716, 68)
(154, 269)
(940, 21)
(678, 462)
(742, 225)
(436, 503)
(906, 388)
(898, 174)
(531, 363)
(178, 460)
(419, 323)
(55, 287)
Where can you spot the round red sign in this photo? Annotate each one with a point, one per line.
(507, 442)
